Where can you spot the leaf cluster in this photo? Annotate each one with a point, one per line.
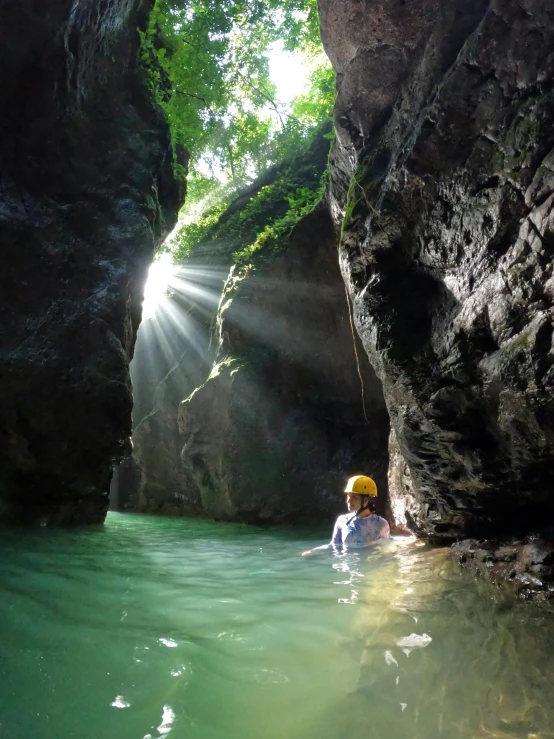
(208, 67)
(261, 226)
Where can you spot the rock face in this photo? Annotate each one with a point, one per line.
(443, 183)
(279, 424)
(528, 566)
(272, 422)
(170, 362)
(88, 193)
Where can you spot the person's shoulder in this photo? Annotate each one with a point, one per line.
(341, 519)
(375, 519)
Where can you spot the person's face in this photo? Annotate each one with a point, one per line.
(353, 501)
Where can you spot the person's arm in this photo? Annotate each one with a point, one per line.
(336, 539)
(385, 530)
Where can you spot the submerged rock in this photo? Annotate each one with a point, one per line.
(443, 185)
(88, 192)
(527, 566)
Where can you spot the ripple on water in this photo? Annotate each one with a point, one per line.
(154, 627)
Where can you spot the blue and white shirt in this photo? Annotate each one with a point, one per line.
(354, 531)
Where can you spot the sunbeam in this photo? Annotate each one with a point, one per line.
(173, 344)
(159, 277)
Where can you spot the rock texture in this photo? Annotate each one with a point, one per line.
(87, 193)
(279, 424)
(528, 566)
(172, 358)
(273, 420)
(443, 183)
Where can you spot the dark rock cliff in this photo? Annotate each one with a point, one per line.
(87, 193)
(171, 359)
(279, 425)
(273, 421)
(444, 188)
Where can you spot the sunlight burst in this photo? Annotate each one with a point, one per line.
(159, 279)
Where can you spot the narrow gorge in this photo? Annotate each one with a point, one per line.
(265, 419)
(437, 206)
(88, 193)
(276, 369)
(443, 186)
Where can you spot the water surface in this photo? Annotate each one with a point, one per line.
(153, 627)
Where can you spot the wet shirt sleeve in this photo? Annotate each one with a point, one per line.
(363, 531)
(336, 539)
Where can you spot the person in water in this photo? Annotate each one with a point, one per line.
(361, 526)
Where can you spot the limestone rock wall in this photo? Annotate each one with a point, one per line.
(279, 424)
(171, 360)
(87, 193)
(443, 186)
(248, 403)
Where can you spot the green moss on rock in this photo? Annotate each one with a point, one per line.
(257, 222)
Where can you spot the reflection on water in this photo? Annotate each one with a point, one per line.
(157, 628)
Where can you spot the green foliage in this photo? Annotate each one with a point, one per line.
(208, 67)
(195, 231)
(263, 223)
(313, 106)
(270, 239)
(362, 183)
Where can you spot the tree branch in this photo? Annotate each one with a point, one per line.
(192, 95)
(270, 100)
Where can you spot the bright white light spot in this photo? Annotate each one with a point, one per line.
(168, 717)
(119, 702)
(288, 72)
(155, 290)
(414, 641)
(168, 642)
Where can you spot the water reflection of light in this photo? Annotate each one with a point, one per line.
(120, 702)
(168, 717)
(355, 578)
(414, 641)
(168, 642)
(269, 677)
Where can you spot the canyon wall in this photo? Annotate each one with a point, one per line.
(443, 187)
(262, 355)
(87, 193)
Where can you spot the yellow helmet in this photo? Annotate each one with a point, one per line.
(361, 485)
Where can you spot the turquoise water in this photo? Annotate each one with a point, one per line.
(157, 628)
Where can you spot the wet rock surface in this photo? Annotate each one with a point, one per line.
(170, 362)
(279, 425)
(526, 566)
(248, 398)
(443, 185)
(87, 193)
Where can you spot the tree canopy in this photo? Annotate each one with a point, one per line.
(209, 68)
